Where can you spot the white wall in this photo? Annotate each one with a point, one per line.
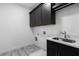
(14, 27)
(70, 19)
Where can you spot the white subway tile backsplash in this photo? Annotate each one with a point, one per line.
(49, 29)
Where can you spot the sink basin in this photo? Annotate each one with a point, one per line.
(55, 38)
(68, 40)
(65, 40)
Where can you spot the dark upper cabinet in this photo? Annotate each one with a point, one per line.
(46, 14)
(35, 17)
(42, 15)
(59, 6)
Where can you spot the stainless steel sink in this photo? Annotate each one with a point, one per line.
(64, 39)
(55, 38)
(68, 40)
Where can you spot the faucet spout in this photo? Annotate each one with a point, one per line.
(65, 35)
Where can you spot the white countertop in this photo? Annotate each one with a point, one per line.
(76, 44)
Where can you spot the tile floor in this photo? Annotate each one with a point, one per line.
(30, 50)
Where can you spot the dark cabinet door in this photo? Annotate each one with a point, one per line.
(53, 14)
(35, 17)
(38, 16)
(46, 14)
(52, 50)
(68, 51)
(57, 49)
(53, 21)
(42, 15)
(32, 19)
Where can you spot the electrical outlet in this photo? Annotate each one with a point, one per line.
(44, 32)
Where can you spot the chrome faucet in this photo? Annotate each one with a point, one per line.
(65, 34)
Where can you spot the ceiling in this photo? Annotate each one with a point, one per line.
(29, 6)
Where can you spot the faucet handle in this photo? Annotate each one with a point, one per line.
(68, 36)
(61, 32)
(64, 31)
